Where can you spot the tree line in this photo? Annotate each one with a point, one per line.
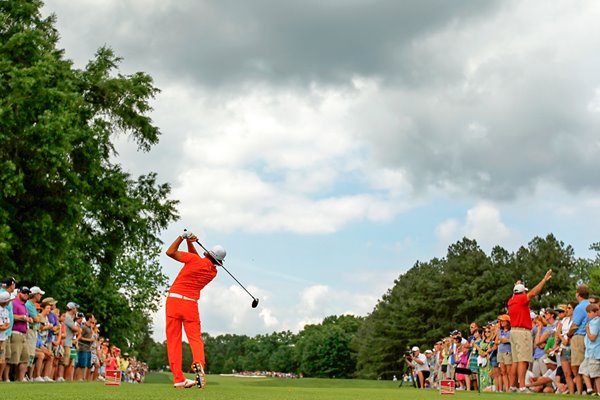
(425, 304)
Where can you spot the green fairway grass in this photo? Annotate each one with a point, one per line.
(159, 386)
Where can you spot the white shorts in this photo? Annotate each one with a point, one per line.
(590, 367)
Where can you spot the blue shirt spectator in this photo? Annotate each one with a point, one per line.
(580, 317)
(504, 347)
(592, 349)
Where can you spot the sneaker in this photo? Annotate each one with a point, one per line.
(513, 389)
(48, 379)
(524, 390)
(39, 379)
(188, 383)
(60, 379)
(200, 375)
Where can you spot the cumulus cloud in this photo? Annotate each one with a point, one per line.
(271, 162)
(482, 223)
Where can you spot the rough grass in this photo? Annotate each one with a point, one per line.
(158, 386)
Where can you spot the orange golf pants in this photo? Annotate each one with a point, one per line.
(183, 312)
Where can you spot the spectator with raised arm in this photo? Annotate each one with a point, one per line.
(521, 339)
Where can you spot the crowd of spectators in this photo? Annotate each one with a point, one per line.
(555, 350)
(42, 342)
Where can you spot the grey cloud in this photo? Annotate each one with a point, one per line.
(533, 129)
(222, 43)
(519, 120)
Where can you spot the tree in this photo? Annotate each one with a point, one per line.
(325, 350)
(594, 269)
(71, 220)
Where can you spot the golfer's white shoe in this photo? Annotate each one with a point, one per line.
(188, 383)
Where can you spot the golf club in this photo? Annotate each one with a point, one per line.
(254, 299)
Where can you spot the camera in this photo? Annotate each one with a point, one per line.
(408, 355)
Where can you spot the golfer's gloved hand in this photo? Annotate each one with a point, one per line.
(187, 235)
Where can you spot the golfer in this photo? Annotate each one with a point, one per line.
(182, 306)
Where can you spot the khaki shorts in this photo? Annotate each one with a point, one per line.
(504, 357)
(577, 350)
(18, 354)
(7, 349)
(30, 340)
(590, 367)
(521, 343)
(2, 352)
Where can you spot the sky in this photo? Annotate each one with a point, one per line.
(328, 146)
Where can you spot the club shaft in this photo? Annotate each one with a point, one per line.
(226, 270)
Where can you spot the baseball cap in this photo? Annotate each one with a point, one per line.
(504, 317)
(24, 290)
(9, 281)
(71, 305)
(415, 348)
(49, 300)
(519, 288)
(561, 308)
(549, 360)
(218, 253)
(428, 351)
(37, 290)
(5, 296)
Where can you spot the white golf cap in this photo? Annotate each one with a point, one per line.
(5, 296)
(218, 253)
(428, 351)
(519, 288)
(36, 290)
(415, 348)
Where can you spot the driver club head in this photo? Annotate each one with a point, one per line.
(254, 303)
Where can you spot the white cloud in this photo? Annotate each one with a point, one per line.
(313, 297)
(483, 223)
(274, 162)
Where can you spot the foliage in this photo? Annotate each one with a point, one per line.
(71, 220)
(438, 296)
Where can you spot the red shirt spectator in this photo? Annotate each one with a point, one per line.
(518, 309)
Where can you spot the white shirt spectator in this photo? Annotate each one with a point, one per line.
(4, 319)
(421, 367)
(551, 374)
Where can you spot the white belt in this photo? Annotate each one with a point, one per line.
(180, 296)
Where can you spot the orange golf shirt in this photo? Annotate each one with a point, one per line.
(195, 274)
